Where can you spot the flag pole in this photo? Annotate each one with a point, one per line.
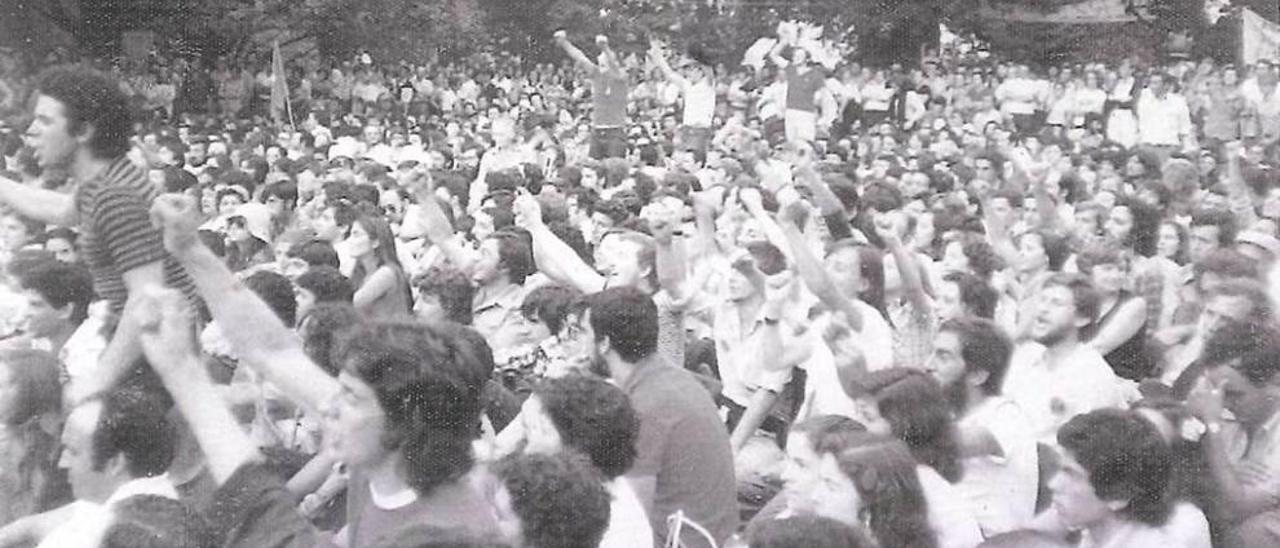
(288, 107)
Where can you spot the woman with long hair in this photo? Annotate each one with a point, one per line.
(382, 290)
(1120, 331)
(836, 469)
(30, 414)
(1172, 264)
(909, 405)
(891, 502)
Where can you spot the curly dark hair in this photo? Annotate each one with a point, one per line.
(277, 291)
(91, 98)
(593, 417)
(1146, 226)
(321, 326)
(560, 499)
(62, 284)
(551, 305)
(1126, 458)
(151, 521)
(133, 423)
(983, 260)
(424, 378)
(452, 288)
(809, 531)
(327, 284)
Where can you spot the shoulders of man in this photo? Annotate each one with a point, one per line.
(667, 392)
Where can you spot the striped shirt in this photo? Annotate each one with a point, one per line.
(116, 234)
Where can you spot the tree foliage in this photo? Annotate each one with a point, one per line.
(886, 30)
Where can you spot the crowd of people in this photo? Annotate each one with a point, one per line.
(639, 300)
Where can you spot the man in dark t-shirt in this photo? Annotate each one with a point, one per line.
(609, 88)
(684, 462)
(804, 80)
(82, 125)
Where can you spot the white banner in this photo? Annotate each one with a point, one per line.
(1259, 38)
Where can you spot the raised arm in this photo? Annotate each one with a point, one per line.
(997, 229)
(890, 231)
(1240, 196)
(562, 40)
(754, 204)
(811, 269)
(168, 338)
(705, 204)
(1121, 327)
(833, 213)
(670, 260)
(437, 227)
(660, 60)
(775, 55)
(259, 337)
(554, 257)
(42, 205)
(609, 58)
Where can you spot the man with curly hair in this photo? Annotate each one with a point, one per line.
(1113, 479)
(82, 124)
(590, 415)
(551, 501)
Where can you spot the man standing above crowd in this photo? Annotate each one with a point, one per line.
(82, 125)
(609, 88)
(804, 80)
(699, 93)
(1164, 121)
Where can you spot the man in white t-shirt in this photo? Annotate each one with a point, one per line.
(699, 92)
(1020, 97)
(970, 359)
(1055, 376)
(1164, 120)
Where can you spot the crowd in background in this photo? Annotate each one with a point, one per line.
(637, 299)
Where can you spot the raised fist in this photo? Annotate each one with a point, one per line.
(178, 218)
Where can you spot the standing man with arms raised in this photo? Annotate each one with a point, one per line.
(82, 124)
(609, 88)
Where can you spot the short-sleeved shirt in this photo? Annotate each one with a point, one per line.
(495, 313)
(609, 99)
(1001, 489)
(803, 87)
(116, 234)
(459, 504)
(950, 515)
(1050, 396)
(684, 446)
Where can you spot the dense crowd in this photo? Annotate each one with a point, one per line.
(638, 300)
